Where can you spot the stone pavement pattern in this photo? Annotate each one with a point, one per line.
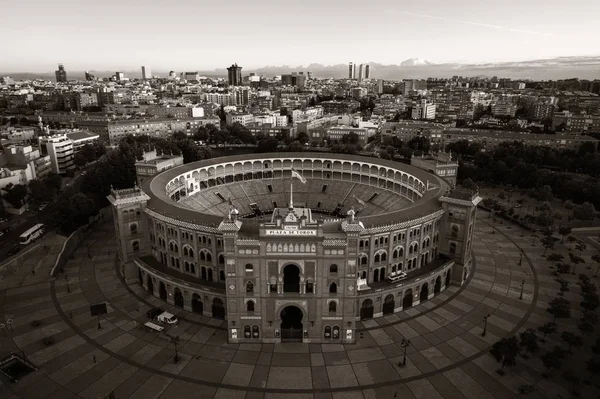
(447, 358)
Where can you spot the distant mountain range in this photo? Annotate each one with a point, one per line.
(414, 68)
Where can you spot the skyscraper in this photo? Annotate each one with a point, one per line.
(234, 75)
(367, 72)
(351, 71)
(361, 72)
(146, 74)
(61, 74)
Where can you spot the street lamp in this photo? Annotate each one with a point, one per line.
(522, 285)
(404, 344)
(520, 258)
(485, 319)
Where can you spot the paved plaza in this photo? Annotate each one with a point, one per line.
(447, 356)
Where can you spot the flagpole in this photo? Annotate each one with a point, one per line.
(291, 193)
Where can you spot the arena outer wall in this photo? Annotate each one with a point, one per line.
(293, 276)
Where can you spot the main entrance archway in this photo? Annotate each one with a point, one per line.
(291, 324)
(150, 285)
(291, 278)
(197, 305)
(178, 298)
(162, 290)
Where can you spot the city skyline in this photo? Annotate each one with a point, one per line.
(443, 34)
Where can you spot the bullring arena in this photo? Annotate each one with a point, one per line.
(297, 247)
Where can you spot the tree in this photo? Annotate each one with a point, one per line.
(548, 242)
(560, 308)
(580, 246)
(303, 137)
(588, 323)
(585, 211)
(547, 329)
(269, 144)
(76, 211)
(38, 192)
(529, 341)
(593, 366)
(15, 194)
(575, 260)
(555, 257)
(564, 286)
(469, 184)
(571, 240)
(553, 360)
(506, 351)
(570, 376)
(544, 194)
(571, 339)
(564, 231)
(202, 134)
(590, 302)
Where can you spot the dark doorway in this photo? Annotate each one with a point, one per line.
(178, 298)
(291, 278)
(150, 285)
(291, 324)
(437, 288)
(203, 273)
(407, 301)
(448, 278)
(197, 305)
(218, 310)
(162, 291)
(140, 277)
(376, 275)
(366, 310)
(424, 292)
(210, 278)
(388, 305)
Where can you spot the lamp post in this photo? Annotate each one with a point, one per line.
(67, 281)
(404, 344)
(485, 319)
(522, 285)
(521, 259)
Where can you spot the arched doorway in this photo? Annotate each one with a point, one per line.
(210, 278)
(178, 298)
(291, 323)
(203, 273)
(366, 309)
(407, 301)
(218, 310)
(389, 304)
(197, 305)
(375, 275)
(162, 291)
(437, 288)
(150, 285)
(291, 278)
(448, 278)
(140, 277)
(424, 292)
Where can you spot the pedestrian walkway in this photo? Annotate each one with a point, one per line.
(447, 356)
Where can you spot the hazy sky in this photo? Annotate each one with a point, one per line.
(198, 34)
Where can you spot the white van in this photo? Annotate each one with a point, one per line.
(396, 276)
(166, 317)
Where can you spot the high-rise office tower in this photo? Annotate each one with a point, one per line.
(146, 73)
(234, 75)
(351, 71)
(361, 72)
(119, 76)
(367, 72)
(61, 74)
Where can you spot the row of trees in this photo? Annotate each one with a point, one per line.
(37, 192)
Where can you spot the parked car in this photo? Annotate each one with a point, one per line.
(166, 317)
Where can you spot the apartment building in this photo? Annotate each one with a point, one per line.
(61, 148)
(242, 119)
(576, 123)
(335, 134)
(151, 164)
(423, 110)
(113, 131)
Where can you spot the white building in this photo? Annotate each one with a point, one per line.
(424, 110)
(242, 119)
(146, 73)
(62, 148)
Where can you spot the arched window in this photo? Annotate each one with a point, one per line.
(136, 246)
(249, 286)
(249, 268)
(250, 306)
(333, 269)
(383, 256)
(377, 258)
(332, 288)
(247, 333)
(208, 257)
(336, 332)
(191, 252)
(452, 248)
(133, 228)
(332, 307)
(202, 256)
(309, 287)
(454, 230)
(255, 333)
(327, 333)
(171, 247)
(185, 251)
(221, 275)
